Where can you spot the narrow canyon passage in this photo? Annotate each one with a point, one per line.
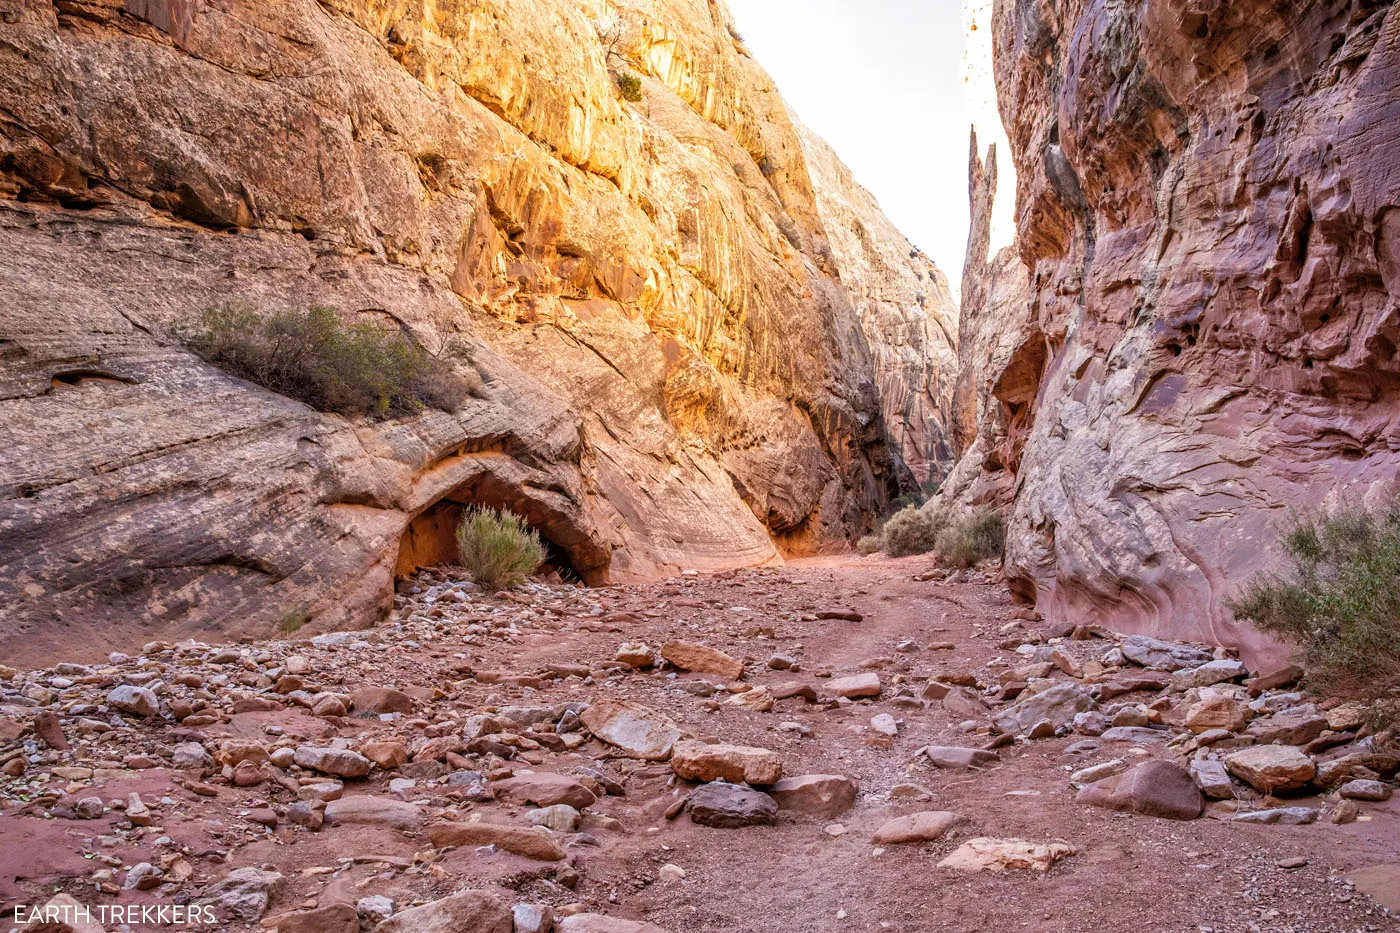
(865, 671)
(495, 467)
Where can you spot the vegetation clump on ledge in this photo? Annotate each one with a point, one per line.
(333, 365)
(1339, 598)
(498, 549)
(630, 85)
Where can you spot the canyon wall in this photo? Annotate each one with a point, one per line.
(905, 307)
(675, 372)
(1208, 213)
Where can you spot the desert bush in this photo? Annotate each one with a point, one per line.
(498, 548)
(868, 545)
(293, 620)
(1339, 598)
(910, 531)
(630, 85)
(972, 538)
(315, 356)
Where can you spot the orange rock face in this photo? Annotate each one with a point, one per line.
(675, 373)
(1209, 223)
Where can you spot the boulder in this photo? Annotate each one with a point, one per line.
(1210, 776)
(1137, 735)
(1217, 712)
(1284, 676)
(531, 842)
(697, 761)
(1133, 681)
(366, 810)
(561, 818)
(759, 699)
(1271, 769)
(866, 684)
(388, 755)
(243, 893)
(544, 789)
(334, 918)
(963, 703)
(532, 918)
(1208, 674)
(381, 700)
(702, 659)
(999, 855)
(463, 912)
(925, 826)
(1058, 705)
(1296, 726)
(1153, 788)
(956, 758)
(1339, 770)
(1155, 654)
(1095, 773)
(727, 806)
(637, 730)
(1365, 790)
(340, 762)
(635, 654)
(138, 701)
(823, 795)
(1280, 816)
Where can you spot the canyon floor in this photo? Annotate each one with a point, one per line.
(483, 690)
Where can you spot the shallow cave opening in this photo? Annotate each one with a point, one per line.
(430, 539)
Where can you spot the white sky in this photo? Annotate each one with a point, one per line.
(879, 80)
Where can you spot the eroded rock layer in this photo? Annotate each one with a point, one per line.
(1209, 210)
(675, 375)
(905, 308)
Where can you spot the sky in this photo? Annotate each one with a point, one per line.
(879, 80)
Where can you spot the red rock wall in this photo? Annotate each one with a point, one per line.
(1209, 213)
(675, 375)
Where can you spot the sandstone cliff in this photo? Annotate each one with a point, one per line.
(676, 375)
(905, 308)
(1209, 213)
(991, 408)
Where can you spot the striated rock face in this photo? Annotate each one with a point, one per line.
(991, 407)
(1209, 210)
(675, 373)
(906, 310)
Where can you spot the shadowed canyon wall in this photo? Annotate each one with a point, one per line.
(681, 369)
(905, 308)
(1209, 225)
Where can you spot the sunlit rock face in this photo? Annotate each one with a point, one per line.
(906, 312)
(676, 374)
(1209, 213)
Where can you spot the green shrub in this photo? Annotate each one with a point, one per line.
(498, 548)
(630, 85)
(1339, 598)
(868, 545)
(293, 620)
(910, 531)
(316, 357)
(970, 539)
